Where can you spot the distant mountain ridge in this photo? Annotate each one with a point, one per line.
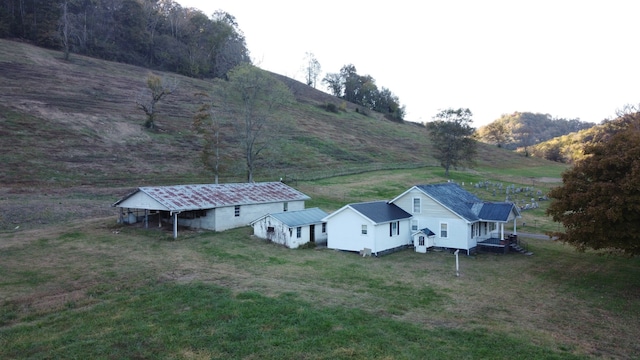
(522, 130)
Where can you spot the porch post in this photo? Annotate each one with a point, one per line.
(501, 231)
(175, 225)
(515, 224)
(146, 218)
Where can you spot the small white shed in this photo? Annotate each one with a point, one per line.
(292, 228)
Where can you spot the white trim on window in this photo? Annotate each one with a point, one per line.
(417, 205)
(444, 230)
(414, 225)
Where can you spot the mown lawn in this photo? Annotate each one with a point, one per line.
(96, 290)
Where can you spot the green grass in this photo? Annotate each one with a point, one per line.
(207, 321)
(98, 290)
(73, 288)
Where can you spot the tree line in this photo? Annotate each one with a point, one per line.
(157, 34)
(362, 90)
(522, 130)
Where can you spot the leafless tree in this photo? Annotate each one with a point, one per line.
(312, 69)
(258, 97)
(157, 88)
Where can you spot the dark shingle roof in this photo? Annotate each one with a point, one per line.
(465, 204)
(427, 232)
(380, 211)
(495, 211)
(453, 197)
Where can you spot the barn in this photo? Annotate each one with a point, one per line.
(215, 207)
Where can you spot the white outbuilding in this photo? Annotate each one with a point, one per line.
(292, 228)
(208, 206)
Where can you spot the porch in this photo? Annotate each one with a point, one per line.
(496, 245)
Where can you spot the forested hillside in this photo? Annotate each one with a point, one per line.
(570, 148)
(160, 35)
(522, 130)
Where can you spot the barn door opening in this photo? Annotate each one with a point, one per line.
(312, 233)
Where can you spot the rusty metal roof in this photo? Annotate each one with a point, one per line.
(209, 196)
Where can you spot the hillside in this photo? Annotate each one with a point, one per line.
(521, 130)
(570, 148)
(71, 129)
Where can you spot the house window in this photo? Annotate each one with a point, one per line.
(236, 211)
(443, 230)
(271, 229)
(324, 228)
(299, 232)
(364, 229)
(414, 225)
(285, 206)
(394, 228)
(421, 241)
(416, 205)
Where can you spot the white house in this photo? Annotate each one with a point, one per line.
(377, 226)
(292, 228)
(456, 217)
(208, 206)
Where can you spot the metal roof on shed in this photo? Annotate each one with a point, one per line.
(209, 196)
(301, 217)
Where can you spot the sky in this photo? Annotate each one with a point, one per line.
(569, 59)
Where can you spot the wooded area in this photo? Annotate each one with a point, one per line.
(158, 34)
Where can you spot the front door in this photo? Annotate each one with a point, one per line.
(312, 233)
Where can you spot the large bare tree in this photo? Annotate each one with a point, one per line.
(157, 88)
(256, 97)
(210, 124)
(312, 69)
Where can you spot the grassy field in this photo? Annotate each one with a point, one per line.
(94, 289)
(73, 284)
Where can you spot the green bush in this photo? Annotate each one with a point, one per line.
(331, 107)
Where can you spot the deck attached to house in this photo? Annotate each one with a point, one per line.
(496, 245)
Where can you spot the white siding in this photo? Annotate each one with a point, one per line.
(141, 200)
(385, 242)
(344, 231)
(225, 216)
(432, 215)
(284, 235)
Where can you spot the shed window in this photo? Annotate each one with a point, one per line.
(421, 241)
(299, 232)
(271, 229)
(364, 229)
(285, 206)
(324, 228)
(236, 211)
